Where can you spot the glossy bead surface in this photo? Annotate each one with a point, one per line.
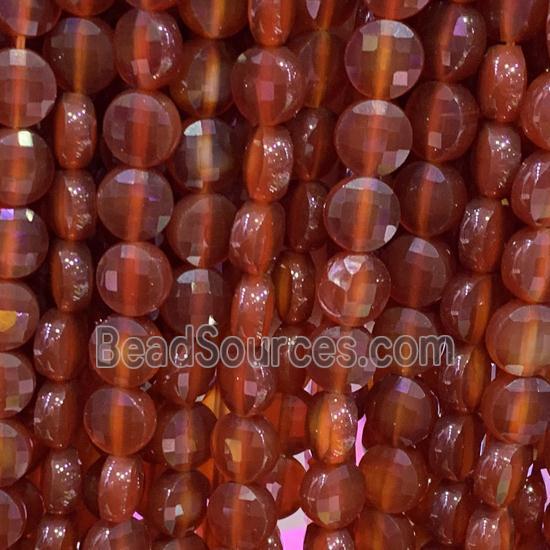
(271, 23)
(318, 538)
(396, 9)
(291, 379)
(28, 17)
(323, 15)
(535, 114)
(528, 506)
(184, 384)
(490, 528)
(19, 314)
(128, 534)
(55, 532)
(283, 482)
(61, 481)
(15, 441)
(17, 383)
(13, 509)
(376, 530)
(152, 5)
(85, 8)
(214, 19)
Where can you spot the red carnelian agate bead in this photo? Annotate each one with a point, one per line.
(333, 495)
(56, 532)
(13, 507)
(384, 59)
(23, 241)
(502, 82)
(268, 85)
(119, 421)
(332, 427)
(190, 541)
(134, 278)
(294, 280)
(451, 127)
(318, 538)
(288, 413)
(324, 14)
(152, 5)
(290, 379)
(515, 410)
(244, 449)
(373, 137)
(257, 236)
(535, 114)
(85, 8)
(17, 383)
(200, 229)
(496, 159)
(375, 530)
(489, 528)
(354, 288)
(16, 445)
(214, 18)
(128, 534)
(531, 190)
(267, 164)
(183, 385)
(517, 337)
(71, 205)
(80, 52)
(432, 198)
(28, 17)
(271, 22)
(202, 87)
(148, 48)
(395, 9)
(19, 314)
(206, 158)
(27, 89)
(528, 506)
(61, 481)
(142, 129)
(485, 227)
(134, 204)
(26, 167)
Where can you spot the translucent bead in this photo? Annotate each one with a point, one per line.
(375, 529)
(28, 17)
(490, 528)
(16, 445)
(535, 116)
(212, 18)
(318, 538)
(61, 481)
(128, 534)
(396, 9)
(528, 506)
(271, 22)
(56, 532)
(324, 14)
(13, 508)
(85, 8)
(20, 314)
(17, 383)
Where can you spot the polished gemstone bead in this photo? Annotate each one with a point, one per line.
(528, 506)
(134, 278)
(60, 345)
(244, 449)
(267, 164)
(489, 528)
(535, 114)
(55, 531)
(23, 241)
(401, 411)
(305, 228)
(34, 504)
(291, 379)
(271, 22)
(333, 495)
(249, 507)
(451, 126)
(134, 204)
(15, 442)
(432, 198)
(362, 214)
(395, 9)
(61, 481)
(485, 227)
(496, 159)
(80, 52)
(14, 517)
(28, 17)
(85, 8)
(202, 87)
(206, 158)
(332, 427)
(323, 14)
(19, 314)
(502, 82)
(135, 417)
(354, 288)
(515, 410)
(71, 205)
(375, 530)
(268, 85)
(152, 5)
(318, 538)
(190, 541)
(373, 137)
(384, 59)
(142, 129)
(148, 48)
(212, 18)
(294, 280)
(128, 534)
(17, 383)
(26, 167)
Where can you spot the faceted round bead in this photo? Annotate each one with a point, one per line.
(332, 427)
(214, 18)
(206, 159)
(294, 280)
(148, 48)
(152, 5)
(354, 288)
(134, 204)
(142, 129)
(375, 530)
(290, 379)
(27, 89)
(384, 59)
(267, 164)
(502, 82)
(28, 17)
(268, 85)
(318, 538)
(496, 159)
(419, 269)
(26, 167)
(373, 137)
(135, 416)
(19, 314)
(202, 87)
(395, 9)
(71, 205)
(535, 113)
(182, 385)
(17, 383)
(80, 52)
(14, 516)
(432, 198)
(271, 22)
(244, 449)
(489, 528)
(333, 495)
(23, 241)
(134, 278)
(324, 14)
(56, 532)
(177, 502)
(451, 126)
(362, 214)
(85, 8)
(197, 297)
(250, 507)
(15, 442)
(128, 534)
(517, 337)
(531, 190)
(515, 410)
(528, 506)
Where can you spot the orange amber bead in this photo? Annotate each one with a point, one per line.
(19, 314)
(61, 481)
(535, 113)
(56, 532)
(214, 18)
(128, 534)
(528, 506)
(271, 22)
(490, 528)
(17, 383)
(84, 8)
(318, 538)
(375, 530)
(16, 445)
(28, 17)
